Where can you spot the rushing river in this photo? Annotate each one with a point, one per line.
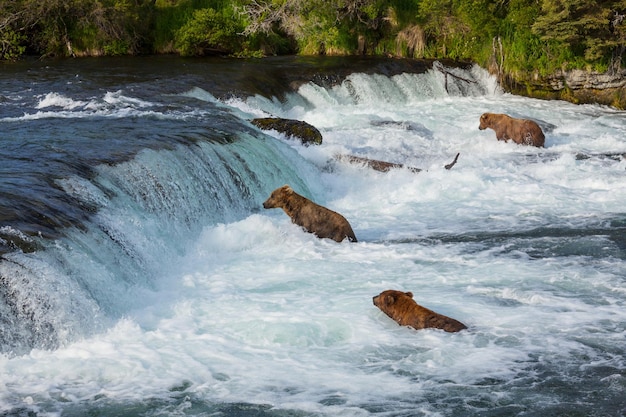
(141, 276)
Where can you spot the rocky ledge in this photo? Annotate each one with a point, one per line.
(577, 86)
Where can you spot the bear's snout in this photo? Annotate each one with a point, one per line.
(268, 204)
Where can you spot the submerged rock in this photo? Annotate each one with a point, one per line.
(308, 134)
(11, 240)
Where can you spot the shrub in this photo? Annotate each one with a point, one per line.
(11, 45)
(209, 32)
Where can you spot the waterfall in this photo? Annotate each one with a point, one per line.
(118, 214)
(378, 90)
(143, 213)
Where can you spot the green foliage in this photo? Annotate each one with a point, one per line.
(211, 31)
(13, 41)
(63, 27)
(11, 45)
(116, 47)
(483, 17)
(515, 36)
(405, 12)
(170, 16)
(207, 31)
(591, 30)
(447, 34)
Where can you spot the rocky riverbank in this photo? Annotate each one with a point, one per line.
(577, 86)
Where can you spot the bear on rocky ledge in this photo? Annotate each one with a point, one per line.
(320, 221)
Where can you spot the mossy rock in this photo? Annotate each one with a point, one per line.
(575, 86)
(307, 133)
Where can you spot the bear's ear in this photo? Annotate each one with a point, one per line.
(484, 116)
(390, 299)
(286, 188)
(409, 293)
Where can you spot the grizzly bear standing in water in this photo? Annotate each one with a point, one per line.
(401, 307)
(521, 131)
(320, 221)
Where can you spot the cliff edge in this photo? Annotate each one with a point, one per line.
(577, 86)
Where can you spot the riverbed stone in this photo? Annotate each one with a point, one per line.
(307, 133)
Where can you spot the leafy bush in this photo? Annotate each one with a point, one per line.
(519, 36)
(11, 45)
(209, 32)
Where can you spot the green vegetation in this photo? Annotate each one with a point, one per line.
(510, 37)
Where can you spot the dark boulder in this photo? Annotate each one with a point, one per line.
(307, 133)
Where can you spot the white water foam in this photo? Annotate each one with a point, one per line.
(115, 104)
(59, 100)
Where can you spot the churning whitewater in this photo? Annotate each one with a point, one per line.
(141, 276)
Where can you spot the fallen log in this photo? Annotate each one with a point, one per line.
(384, 166)
(614, 156)
(453, 163)
(439, 67)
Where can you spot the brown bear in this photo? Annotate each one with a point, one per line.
(320, 221)
(401, 307)
(521, 131)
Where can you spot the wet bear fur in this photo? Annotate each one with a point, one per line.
(521, 131)
(316, 219)
(401, 307)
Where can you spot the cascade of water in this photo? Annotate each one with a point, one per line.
(403, 89)
(145, 210)
(141, 211)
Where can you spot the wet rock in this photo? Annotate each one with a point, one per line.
(11, 240)
(579, 79)
(576, 86)
(307, 133)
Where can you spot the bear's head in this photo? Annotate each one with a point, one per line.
(278, 197)
(485, 121)
(386, 300)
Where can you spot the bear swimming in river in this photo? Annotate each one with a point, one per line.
(320, 221)
(401, 307)
(521, 131)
